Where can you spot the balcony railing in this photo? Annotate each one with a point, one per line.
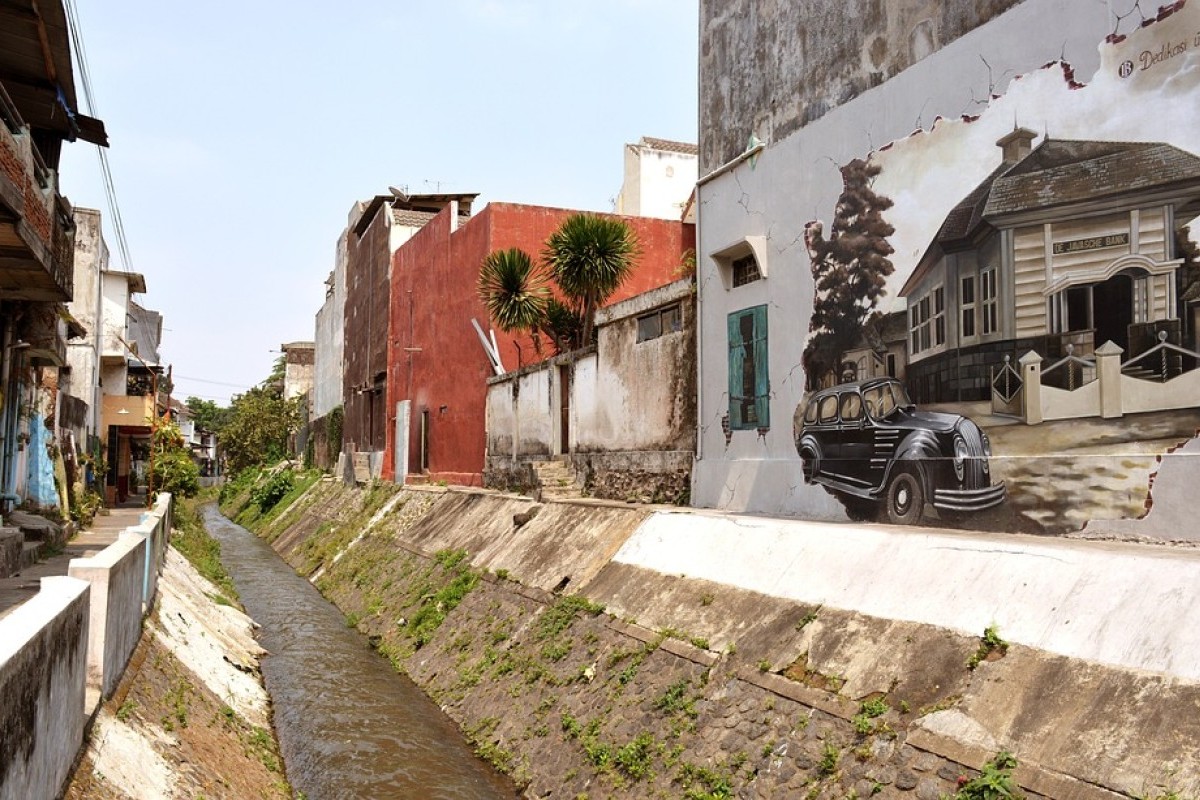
(9, 114)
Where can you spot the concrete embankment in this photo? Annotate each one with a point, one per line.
(123, 677)
(749, 657)
(190, 717)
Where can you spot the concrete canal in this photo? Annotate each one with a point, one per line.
(349, 726)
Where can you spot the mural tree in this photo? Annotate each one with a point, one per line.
(850, 270)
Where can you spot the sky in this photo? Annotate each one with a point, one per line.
(242, 133)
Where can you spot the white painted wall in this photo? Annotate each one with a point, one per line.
(115, 622)
(329, 339)
(628, 396)
(657, 183)
(83, 355)
(796, 179)
(54, 621)
(1058, 595)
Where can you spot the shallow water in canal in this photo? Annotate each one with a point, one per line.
(349, 726)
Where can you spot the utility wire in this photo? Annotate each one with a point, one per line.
(110, 191)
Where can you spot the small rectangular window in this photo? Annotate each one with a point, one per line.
(660, 322)
(745, 270)
(987, 292)
(649, 327)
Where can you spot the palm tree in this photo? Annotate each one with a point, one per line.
(514, 291)
(589, 257)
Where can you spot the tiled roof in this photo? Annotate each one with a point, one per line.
(670, 146)
(410, 218)
(1059, 173)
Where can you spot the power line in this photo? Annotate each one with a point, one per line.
(206, 380)
(110, 191)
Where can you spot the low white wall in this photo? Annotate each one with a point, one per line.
(43, 664)
(117, 577)
(1060, 595)
(1182, 391)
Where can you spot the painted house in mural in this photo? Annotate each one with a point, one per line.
(1067, 245)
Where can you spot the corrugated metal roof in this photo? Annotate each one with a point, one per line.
(35, 62)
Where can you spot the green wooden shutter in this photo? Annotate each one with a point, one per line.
(762, 382)
(757, 346)
(736, 363)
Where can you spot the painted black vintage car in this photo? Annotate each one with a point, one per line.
(869, 445)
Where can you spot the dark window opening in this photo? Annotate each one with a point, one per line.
(660, 322)
(745, 270)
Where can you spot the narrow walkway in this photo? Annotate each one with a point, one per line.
(104, 530)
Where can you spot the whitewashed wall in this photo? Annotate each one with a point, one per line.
(796, 179)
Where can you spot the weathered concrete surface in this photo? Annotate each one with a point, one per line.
(563, 542)
(188, 716)
(1122, 604)
(767, 621)
(771, 67)
(116, 575)
(43, 663)
(1172, 513)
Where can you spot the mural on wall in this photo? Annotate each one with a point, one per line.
(1006, 329)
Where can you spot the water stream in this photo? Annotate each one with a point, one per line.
(349, 726)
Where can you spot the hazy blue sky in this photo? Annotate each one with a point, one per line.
(242, 132)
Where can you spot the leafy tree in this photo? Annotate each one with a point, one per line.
(207, 414)
(590, 257)
(172, 468)
(258, 427)
(850, 269)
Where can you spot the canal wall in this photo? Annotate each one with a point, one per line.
(591, 648)
(63, 650)
(43, 673)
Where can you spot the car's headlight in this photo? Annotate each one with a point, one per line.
(960, 456)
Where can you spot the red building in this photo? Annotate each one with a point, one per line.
(437, 367)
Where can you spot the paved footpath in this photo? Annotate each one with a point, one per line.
(104, 531)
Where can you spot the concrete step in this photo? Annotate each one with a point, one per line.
(31, 553)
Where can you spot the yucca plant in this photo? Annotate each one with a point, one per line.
(514, 291)
(589, 258)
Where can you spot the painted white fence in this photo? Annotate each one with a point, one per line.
(1113, 393)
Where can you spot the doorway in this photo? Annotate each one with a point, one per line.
(1112, 310)
(564, 388)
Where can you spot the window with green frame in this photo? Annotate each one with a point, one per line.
(749, 384)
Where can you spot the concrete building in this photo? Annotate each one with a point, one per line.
(298, 369)
(437, 367)
(659, 178)
(38, 113)
(621, 414)
(919, 93)
(377, 228)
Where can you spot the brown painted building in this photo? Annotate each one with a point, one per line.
(385, 222)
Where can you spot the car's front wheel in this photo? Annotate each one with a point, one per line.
(905, 497)
(810, 464)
